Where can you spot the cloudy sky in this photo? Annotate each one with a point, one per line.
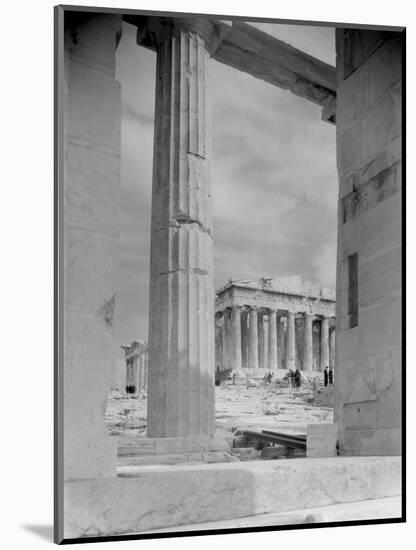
(274, 176)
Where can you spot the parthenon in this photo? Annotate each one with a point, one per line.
(272, 324)
(362, 95)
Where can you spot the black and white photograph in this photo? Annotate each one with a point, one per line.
(228, 274)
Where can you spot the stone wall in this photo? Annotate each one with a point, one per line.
(90, 216)
(369, 127)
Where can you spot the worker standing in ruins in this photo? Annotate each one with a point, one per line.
(331, 376)
(298, 378)
(326, 376)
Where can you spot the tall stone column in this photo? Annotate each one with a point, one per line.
(227, 338)
(324, 342)
(181, 304)
(128, 372)
(291, 344)
(332, 347)
(236, 338)
(253, 341)
(272, 348)
(281, 342)
(308, 343)
(135, 373)
(260, 336)
(141, 373)
(244, 339)
(218, 341)
(145, 370)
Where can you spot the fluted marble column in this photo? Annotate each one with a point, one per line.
(308, 343)
(181, 331)
(281, 342)
(244, 339)
(261, 340)
(332, 347)
(324, 343)
(272, 337)
(236, 338)
(253, 341)
(227, 339)
(291, 344)
(128, 372)
(218, 340)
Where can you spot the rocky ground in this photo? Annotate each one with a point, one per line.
(261, 406)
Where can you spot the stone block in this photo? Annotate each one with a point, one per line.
(92, 189)
(371, 132)
(90, 264)
(369, 82)
(321, 440)
(93, 108)
(279, 451)
(145, 498)
(93, 39)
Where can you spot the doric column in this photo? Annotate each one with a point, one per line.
(181, 304)
(272, 348)
(291, 344)
(308, 343)
(281, 342)
(135, 372)
(260, 336)
(332, 347)
(236, 338)
(219, 341)
(253, 341)
(244, 339)
(227, 338)
(128, 372)
(324, 343)
(141, 373)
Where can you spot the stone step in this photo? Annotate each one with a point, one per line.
(383, 508)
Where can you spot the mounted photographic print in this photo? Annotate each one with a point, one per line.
(228, 305)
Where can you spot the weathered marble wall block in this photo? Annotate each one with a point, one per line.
(92, 106)
(369, 126)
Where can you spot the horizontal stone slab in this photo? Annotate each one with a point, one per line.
(154, 497)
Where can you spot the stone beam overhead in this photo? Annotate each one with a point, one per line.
(257, 53)
(261, 55)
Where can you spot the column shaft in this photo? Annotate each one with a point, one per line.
(291, 344)
(253, 342)
(324, 343)
(181, 328)
(261, 340)
(244, 340)
(236, 337)
(272, 351)
(308, 344)
(332, 347)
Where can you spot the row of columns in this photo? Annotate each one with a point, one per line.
(240, 340)
(136, 371)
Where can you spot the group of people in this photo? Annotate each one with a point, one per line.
(268, 377)
(295, 378)
(328, 376)
(131, 388)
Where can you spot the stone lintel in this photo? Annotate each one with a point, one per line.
(252, 51)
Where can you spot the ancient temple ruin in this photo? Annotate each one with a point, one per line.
(274, 324)
(362, 95)
(136, 356)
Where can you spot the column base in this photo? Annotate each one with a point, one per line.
(176, 450)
